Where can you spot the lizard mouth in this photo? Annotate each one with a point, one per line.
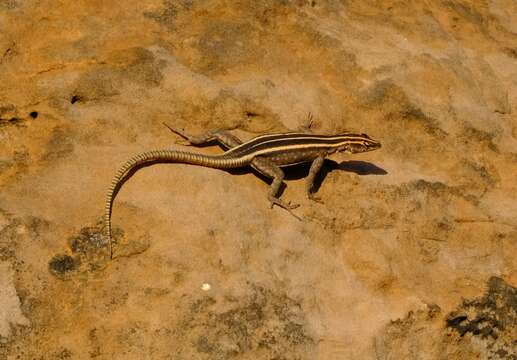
(374, 146)
(362, 147)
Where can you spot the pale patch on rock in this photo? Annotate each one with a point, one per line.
(10, 312)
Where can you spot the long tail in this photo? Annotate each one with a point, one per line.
(217, 161)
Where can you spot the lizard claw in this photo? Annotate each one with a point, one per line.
(186, 139)
(291, 206)
(177, 132)
(284, 205)
(287, 206)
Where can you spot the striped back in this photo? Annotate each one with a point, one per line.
(273, 143)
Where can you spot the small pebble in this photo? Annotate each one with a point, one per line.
(205, 287)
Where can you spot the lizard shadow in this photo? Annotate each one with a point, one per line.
(300, 171)
(355, 166)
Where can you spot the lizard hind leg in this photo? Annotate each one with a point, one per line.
(222, 137)
(273, 171)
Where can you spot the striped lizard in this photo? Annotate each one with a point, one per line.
(267, 154)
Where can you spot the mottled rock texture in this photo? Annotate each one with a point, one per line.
(412, 254)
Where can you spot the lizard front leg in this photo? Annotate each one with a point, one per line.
(307, 123)
(316, 166)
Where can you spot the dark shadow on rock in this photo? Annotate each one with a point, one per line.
(361, 168)
(355, 166)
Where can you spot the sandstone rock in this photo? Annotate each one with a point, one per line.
(397, 261)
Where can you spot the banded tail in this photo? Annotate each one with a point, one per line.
(213, 161)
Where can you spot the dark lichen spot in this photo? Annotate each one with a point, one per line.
(434, 187)
(60, 265)
(64, 354)
(167, 15)
(90, 247)
(502, 353)
(455, 321)
(99, 83)
(202, 304)
(487, 176)
(399, 108)
(204, 346)
(144, 67)
(380, 92)
(484, 138)
(6, 109)
(21, 157)
(59, 145)
(431, 126)
(89, 238)
(233, 326)
(512, 52)
(9, 5)
(295, 334)
(486, 322)
(488, 316)
(37, 226)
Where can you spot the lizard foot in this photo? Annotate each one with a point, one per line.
(284, 205)
(314, 198)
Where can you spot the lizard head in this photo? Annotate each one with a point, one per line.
(358, 143)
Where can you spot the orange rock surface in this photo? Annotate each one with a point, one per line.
(412, 255)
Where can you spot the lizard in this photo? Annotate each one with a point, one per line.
(267, 154)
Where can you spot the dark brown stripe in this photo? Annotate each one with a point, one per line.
(291, 139)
